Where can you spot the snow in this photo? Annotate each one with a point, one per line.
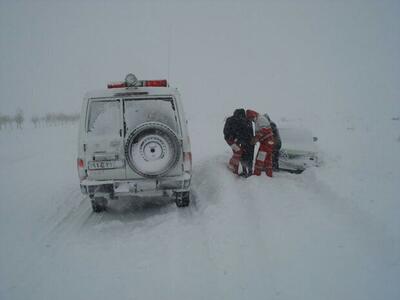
(330, 233)
(152, 154)
(139, 112)
(104, 118)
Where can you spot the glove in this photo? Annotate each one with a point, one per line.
(235, 147)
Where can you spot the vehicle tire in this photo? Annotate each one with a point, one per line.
(182, 199)
(99, 204)
(152, 149)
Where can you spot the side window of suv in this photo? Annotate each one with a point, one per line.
(104, 117)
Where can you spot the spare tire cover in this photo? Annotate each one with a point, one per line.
(152, 149)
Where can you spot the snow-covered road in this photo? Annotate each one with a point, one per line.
(331, 233)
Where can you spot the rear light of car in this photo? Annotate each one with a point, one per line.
(80, 163)
(81, 169)
(187, 161)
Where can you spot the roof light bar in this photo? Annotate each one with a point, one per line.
(155, 83)
(115, 85)
(131, 81)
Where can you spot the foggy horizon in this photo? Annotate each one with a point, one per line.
(329, 56)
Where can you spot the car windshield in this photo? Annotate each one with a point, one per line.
(138, 111)
(104, 117)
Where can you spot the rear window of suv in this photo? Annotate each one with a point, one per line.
(138, 111)
(104, 117)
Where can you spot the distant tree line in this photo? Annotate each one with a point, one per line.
(49, 119)
(54, 119)
(7, 121)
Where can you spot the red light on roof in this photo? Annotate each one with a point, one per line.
(139, 83)
(155, 83)
(115, 85)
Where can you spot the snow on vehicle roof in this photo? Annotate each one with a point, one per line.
(128, 92)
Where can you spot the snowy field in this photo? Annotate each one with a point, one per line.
(330, 233)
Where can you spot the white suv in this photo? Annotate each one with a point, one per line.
(134, 141)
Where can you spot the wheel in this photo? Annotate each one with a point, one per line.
(99, 204)
(152, 149)
(182, 199)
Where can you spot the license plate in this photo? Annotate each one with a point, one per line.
(142, 186)
(104, 164)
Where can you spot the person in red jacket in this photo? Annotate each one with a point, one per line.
(263, 135)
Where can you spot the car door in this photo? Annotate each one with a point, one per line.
(158, 149)
(104, 142)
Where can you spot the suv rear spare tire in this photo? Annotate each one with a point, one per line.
(152, 149)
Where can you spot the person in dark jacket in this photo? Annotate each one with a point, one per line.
(238, 133)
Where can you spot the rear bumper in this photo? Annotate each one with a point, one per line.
(136, 187)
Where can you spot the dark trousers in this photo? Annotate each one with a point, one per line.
(275, 155)
(247, 158)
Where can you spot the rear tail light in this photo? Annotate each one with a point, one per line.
(80, 163)
(187, 161)
(81, 169)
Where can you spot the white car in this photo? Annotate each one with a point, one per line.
(299, 150)
(134, 141)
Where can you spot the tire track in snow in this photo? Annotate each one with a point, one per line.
(228, 232)
(193, 221)
(70, 221)
(254, 214)
(248, 212)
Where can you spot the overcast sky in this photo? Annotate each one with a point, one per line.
(322, 55)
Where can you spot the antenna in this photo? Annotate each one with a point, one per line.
(169, 51)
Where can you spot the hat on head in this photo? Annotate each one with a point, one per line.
(251, 114)
(240, 113)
